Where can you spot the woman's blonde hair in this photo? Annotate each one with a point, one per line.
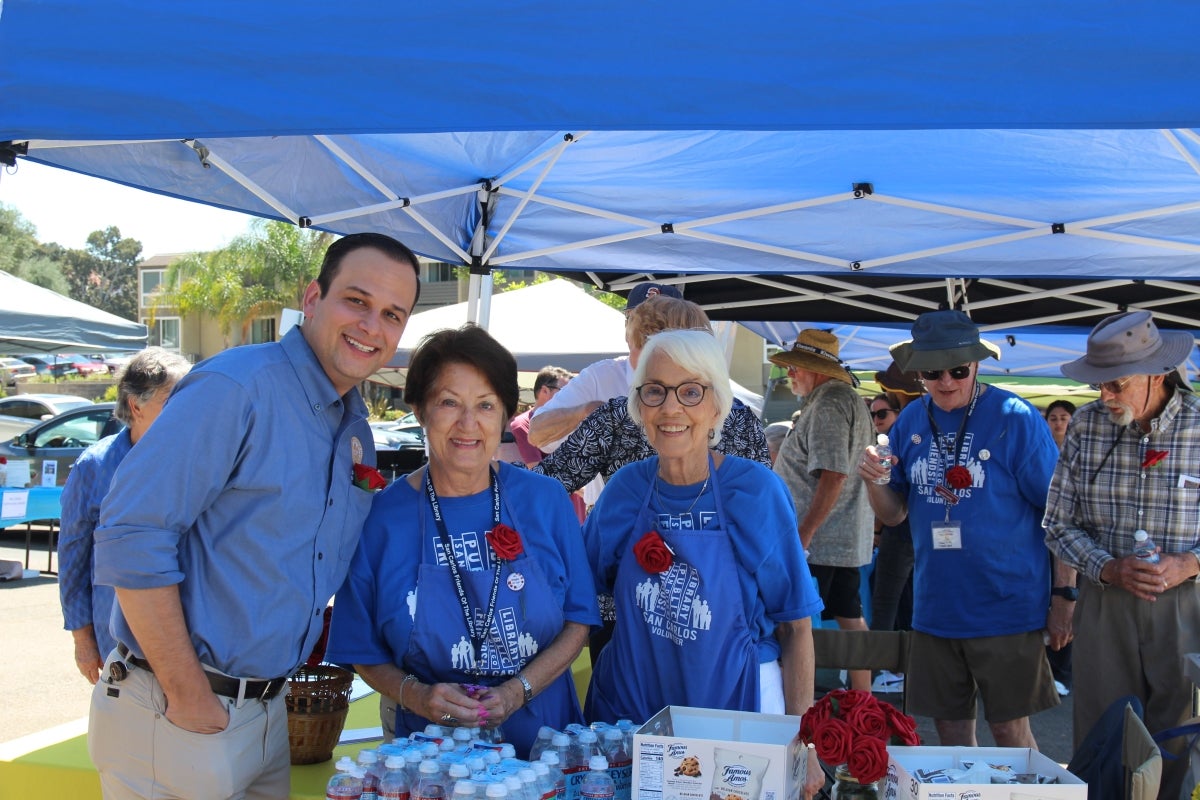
(662, 313)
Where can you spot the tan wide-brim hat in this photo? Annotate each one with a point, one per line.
(942, 340)
(816, 351)
(1129, 344)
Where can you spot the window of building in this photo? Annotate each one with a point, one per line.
(164, 332)
(437, 272)
(262, 330)
(152, 283)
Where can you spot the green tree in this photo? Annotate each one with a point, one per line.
(22, 256)
(104, 274)
(256, 276)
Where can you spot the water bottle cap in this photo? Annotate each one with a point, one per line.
(1140, 536)
(429, 767)
(368, 757)
(541, 768)
(465, 787)
(497, 789)
(882, 440)
(560, 740)
(550, 757)
(458, 770)
(344, 764)
(434, 730)
(395, 762)
(598, 762)
(508, 751)
(614, 733)
(462, 735)
(513, 783)
(587, 736)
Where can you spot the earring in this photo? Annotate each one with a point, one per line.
(712, 434)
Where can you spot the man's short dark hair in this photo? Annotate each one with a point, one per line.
(549, 376)
(392, 248)
(470, 345)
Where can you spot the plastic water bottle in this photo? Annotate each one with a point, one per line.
(597, 785)
(530, 780)
(883, 446)
(544, 735)
(412, 763)
(430, 785)
(394, 783)
(578, 759)
(620, 764)
(545, 786)
(368, 762)
(497, 791)
(1144, 547)
(516, 789)
(346, 783)
(558, 781)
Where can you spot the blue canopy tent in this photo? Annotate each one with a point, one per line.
(1036, 165)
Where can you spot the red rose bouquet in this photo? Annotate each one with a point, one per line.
(505, 541)
(653, 554)
(853, 728)
(368, 478)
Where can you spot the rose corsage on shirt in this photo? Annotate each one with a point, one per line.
(368, 478)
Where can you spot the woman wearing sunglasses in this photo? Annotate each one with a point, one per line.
(700, 553)
(971, 468)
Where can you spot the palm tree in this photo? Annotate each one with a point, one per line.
(256, 276)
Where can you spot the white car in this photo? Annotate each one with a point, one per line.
(22, 411)
(14, 369)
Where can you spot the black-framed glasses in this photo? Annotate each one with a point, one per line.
(655, 394)
(958, 373)
(554, 387)
(883, 412)
(1112, 387)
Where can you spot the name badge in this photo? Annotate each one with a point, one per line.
(947, 535)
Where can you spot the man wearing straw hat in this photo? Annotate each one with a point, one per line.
(836, 524)
(1130, 461)
(970, 469)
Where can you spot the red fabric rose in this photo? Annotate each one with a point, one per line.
(868, 760)
(1153, 457)
(904, 727)
(817, 713)
(869, 719)
(959, 477)
(833, 739)
(653, 554)
(368, 478)
(505, 541)
(318, 654)
(847, 699)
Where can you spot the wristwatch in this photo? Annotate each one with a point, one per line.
(1070, 593)
(525, 687)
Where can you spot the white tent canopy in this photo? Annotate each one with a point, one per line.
(37, 320)
(547, 324)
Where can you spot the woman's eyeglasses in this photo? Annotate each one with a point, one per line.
(883, 412)
(655, 394)
(958, 373)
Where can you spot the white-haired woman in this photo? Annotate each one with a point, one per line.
(701, 554)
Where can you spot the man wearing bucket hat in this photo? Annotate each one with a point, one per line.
(1131, 461)
(970, 470)
(814, 461)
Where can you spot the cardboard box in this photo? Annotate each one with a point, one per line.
(904, 761)
(687, 753)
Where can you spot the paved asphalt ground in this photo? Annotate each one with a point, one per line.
(47, 691)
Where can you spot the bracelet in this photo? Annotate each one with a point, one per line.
(525, 687)
(403, 683)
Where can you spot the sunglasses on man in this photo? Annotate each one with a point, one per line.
(957, 373)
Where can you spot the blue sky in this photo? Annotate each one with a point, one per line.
(65, 207)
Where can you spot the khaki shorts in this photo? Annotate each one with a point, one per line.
(947, 677)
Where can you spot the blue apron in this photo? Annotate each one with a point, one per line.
(682, 637)
(525, 620)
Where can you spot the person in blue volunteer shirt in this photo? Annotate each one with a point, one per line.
(699, 549)
(971, 466)
(470, 594)
(142, 387)
(225, 548)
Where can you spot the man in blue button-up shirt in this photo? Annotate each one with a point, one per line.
(227, 530)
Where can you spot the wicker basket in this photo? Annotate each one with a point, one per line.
(317, 704)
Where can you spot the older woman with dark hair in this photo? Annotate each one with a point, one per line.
(700, 551)
(470, 595)
(142, 388)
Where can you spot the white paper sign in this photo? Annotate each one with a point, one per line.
(18, 474)
(14, 505)
(49, 473)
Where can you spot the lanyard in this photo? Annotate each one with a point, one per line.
(477, 636)
(942, 488)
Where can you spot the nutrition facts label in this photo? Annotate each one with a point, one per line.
(650, 771)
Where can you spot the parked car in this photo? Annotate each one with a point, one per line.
(50, 365)
(14, 369)
(62, 438)
(20, 412)
(87, 367)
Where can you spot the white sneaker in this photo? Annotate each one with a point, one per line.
(888, 683)
(1063, 691)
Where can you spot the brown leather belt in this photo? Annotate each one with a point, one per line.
(236, 688)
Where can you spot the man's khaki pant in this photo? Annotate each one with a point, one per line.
(140, 754)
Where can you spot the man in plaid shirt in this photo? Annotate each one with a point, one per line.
(1130, 461)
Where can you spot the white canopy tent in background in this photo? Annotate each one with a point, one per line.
(37, 320)
(1037, 165)
(547, 324)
